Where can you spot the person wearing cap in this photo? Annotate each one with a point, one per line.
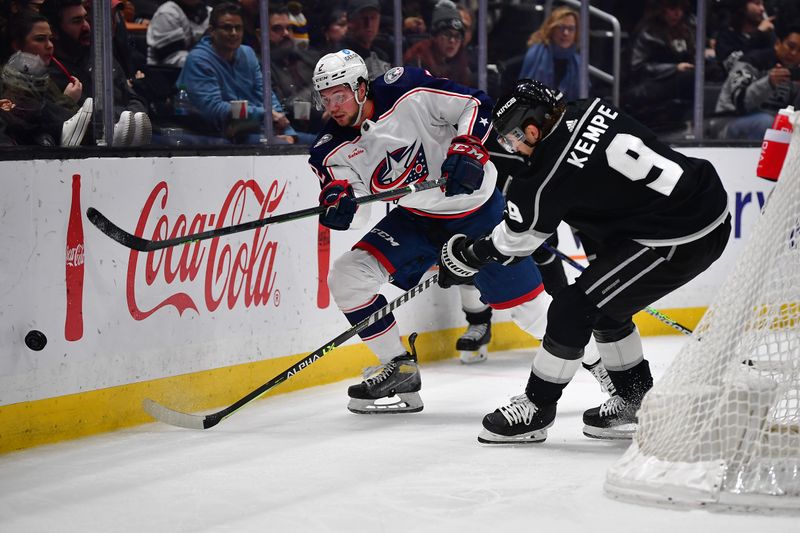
(443, 54)
(363, 25)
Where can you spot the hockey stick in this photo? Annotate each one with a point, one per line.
(649, 310)
(145, 245)
(186, 420)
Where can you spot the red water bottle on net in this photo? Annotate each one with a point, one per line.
(73, 325)
(775, 145)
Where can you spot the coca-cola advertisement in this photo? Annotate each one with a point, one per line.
(207, 275)
(112, 316)
(73, 325)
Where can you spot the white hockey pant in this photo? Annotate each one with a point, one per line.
(355, 280)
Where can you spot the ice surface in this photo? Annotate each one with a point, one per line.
(302, 462)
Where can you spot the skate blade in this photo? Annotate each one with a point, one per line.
(473, 357)
(404, 402)
(532, 437)
(621, 432)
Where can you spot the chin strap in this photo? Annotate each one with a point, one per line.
(360, 108)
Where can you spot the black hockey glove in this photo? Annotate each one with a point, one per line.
(458, 264)
(338, 197)
(463, 167)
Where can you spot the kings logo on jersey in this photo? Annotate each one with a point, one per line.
(399, 168)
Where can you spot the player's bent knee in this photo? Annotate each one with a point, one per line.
(355, 277)
(531, 316)
(608, 330)
(570, 317)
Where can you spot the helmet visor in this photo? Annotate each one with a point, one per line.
(511, 140)
(328, 101)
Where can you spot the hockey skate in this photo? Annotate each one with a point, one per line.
(601, 375)
(473, 344)
(520, 422)
(614, 419)
(398, 378)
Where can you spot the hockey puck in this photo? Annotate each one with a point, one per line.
(35, 340)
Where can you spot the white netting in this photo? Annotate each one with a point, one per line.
(722, 427)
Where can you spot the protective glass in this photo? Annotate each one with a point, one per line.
(511, 140)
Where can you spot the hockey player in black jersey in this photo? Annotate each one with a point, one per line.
(651, 219)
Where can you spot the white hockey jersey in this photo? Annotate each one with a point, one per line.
(406, 141)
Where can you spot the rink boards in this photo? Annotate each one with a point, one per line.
(200, 325)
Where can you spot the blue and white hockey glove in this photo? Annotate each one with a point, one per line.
(339, 199)
(458, 264)
(463, 167)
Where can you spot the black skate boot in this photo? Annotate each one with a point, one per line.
(520, 422)
(474, 342)
(616, 417)
(399, 377)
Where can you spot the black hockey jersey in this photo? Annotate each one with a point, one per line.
(608, 176)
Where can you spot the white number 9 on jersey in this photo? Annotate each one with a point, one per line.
(628, 155)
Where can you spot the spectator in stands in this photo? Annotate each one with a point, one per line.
(334, 32)
(30, 32)
(175, 28)
(552, 57)
(749, 29)
(69, 21)
(44, 113)
(221, 70)
(415, 24)
(126, 52)
(8, 10)
(468, 20)
(761, 83)
(443, 54)
(291, 71)
(662, 65)
(363, 24)
(38, 114)
(298, 25)
(252, 22)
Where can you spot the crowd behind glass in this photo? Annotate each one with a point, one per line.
(189, 72)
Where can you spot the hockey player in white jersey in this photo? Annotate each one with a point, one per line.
(407, 127)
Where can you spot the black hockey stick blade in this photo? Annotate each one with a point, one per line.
(649, 310)
(146, 245)
(190, 421)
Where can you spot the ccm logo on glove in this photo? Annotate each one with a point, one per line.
(463, 167)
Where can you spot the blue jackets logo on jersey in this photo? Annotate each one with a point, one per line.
(393, 75)
(400, 167)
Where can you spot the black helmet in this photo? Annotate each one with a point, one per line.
(529, 102)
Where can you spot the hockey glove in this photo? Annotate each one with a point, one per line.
(463, 167)
(339, 199)
(458, 264)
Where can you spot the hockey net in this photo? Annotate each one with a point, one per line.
(722, 427)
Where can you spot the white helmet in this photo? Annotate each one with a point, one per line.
(342, 67)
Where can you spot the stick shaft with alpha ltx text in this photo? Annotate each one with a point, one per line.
(187, 420)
